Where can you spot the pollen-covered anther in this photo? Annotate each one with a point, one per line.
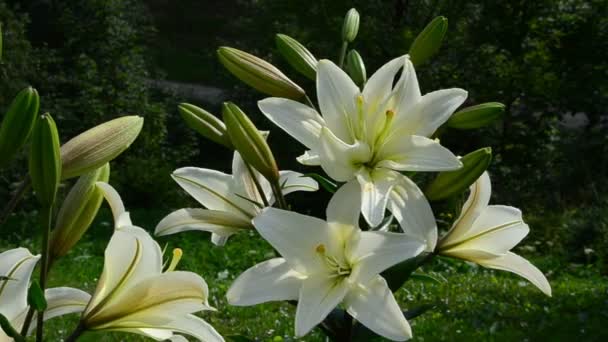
(320, 249)
(177, 256)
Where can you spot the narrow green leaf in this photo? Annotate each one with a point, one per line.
(325, 183)
(428, 277)
(397, 275)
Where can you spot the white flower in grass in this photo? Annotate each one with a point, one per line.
(231, 200)
(369, 136)
(135, 295)
(16, 266)
(325, 263)
(485, 234)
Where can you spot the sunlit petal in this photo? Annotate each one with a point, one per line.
(416, 153)
(345, 205)
(222, 223)
(375, 189)
(318, 296)
(340, 160)
(514, 263)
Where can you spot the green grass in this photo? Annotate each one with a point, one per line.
(474, 304)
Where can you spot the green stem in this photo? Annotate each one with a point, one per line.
(12, 204)
(278, 194)
(80, 329)
(28, 321)
(257, 185)
(342, 54)
(45, 216)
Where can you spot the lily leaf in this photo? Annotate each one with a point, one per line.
(397, 275)
(327, 184)
(428, 277)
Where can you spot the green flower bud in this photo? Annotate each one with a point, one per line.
(18, 123)
(249, 142)
(45, 160)
(78, 211)
(428, 41)
(477, 116)
(259, 74)
(205, 123)
(297, 56)
(356, 68)
(350, 27)
(450, 183)
(99, 145)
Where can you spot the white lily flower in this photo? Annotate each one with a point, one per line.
(485, 234)
(325, 263)
(369, 136)
(135, 295)
(16, 266)
(231, 200)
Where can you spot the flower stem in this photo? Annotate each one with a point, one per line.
(342, 54)
(76, 333)
(12, 204)
(45, 217)
(278, 194)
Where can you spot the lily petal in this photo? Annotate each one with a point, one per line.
(337, 93)
(294, 236)
(121, 216)
(300, 121)
(154, 302)
(376, 308)
(309, 158)
(413, 212)
(294, 181)
(222, 223)
(17, 265)
(345, 205)
(378, 251)
(131, 256)
(195, 327)
(430, 112)
(244, 183)
(61, 301)
(514, 263)
(318, 296)
(496, 230)
(375, 189)
(213, 189)
(340, 160)
(271, 280)
(407, 92)
(416, 153)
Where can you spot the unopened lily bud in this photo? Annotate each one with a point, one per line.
(356, 67)
(99, 145)
(45, 160)
(259, 74)
(297, 55)
(18, 123)
(78, 211)
(451, 183)
(205, 123)
(428, 42)
(477, 116)
(249, 142)
(350, 27)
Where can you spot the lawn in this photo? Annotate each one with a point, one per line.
(472, 304)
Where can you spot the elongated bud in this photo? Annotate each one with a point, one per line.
(297, 55)
(451, 183)
(259, 74)
(350, 27)
(477, 116)
(18, 123)
(78, 211)
(356, 68)
(205, 123)
(250, 143)
(428, 42)
(93, 148)
(45, 160)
